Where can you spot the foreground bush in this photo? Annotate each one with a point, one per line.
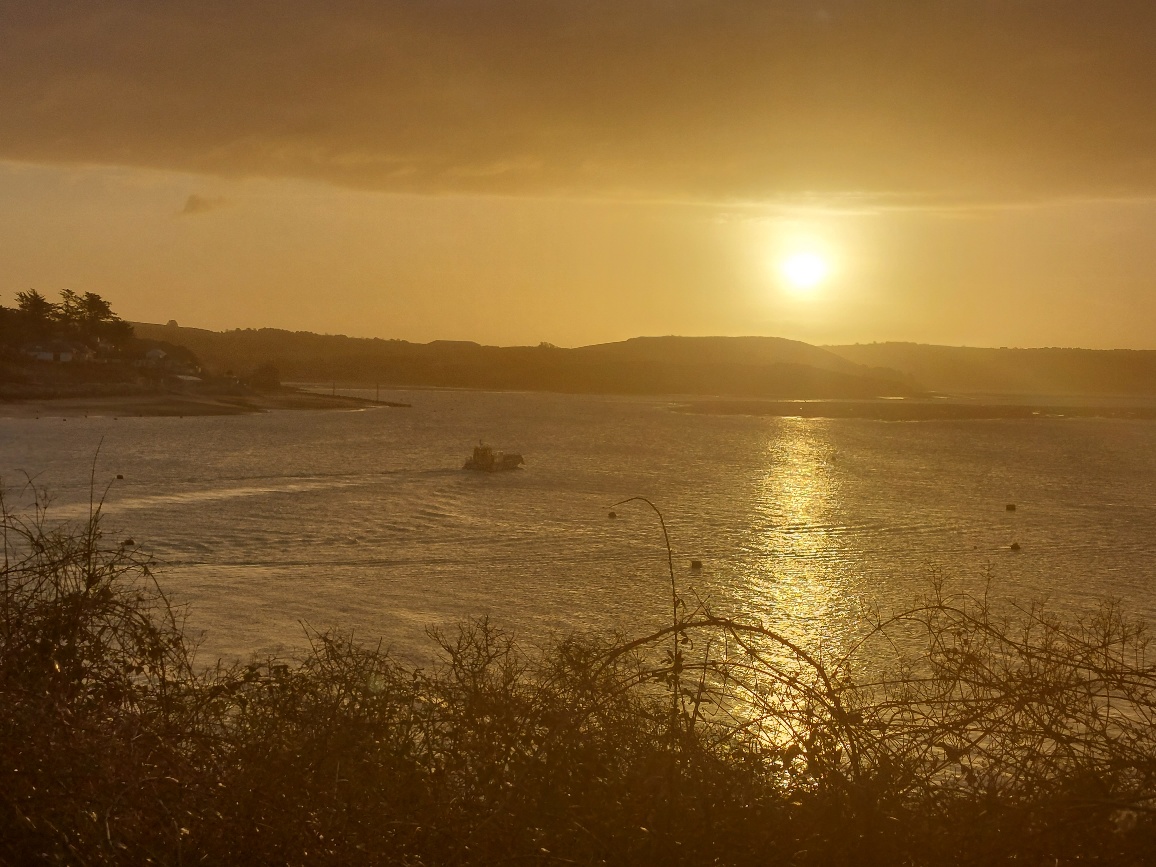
(984, 739)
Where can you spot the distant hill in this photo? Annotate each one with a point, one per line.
(761, 367)
(731, 350)
(960, 369)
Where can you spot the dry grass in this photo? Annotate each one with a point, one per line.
(981, 738)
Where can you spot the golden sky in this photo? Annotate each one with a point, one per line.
(510, 171)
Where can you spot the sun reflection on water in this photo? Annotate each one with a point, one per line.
(795, 532)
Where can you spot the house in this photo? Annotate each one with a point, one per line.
(58, 351)
(155, 358)
(186, 383)
(40, 352)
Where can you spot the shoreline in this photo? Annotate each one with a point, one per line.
(181, 405)
(903, 410)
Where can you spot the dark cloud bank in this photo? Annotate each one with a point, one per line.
(700, 99)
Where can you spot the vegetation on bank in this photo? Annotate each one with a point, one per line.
(77, 328)
(79, 347)
(82, 321)
(951, 734)
(753, 367)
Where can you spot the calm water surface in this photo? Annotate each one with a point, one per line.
(365, 520)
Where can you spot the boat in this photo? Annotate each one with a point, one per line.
(486, 460)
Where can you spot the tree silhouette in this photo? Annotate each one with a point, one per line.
(71, 307)
(36, 306)
(39, 314)
(96, 310)
(85, 318)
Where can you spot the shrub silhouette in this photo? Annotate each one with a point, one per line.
(948, 734)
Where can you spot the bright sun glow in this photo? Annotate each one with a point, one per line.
(805, 271)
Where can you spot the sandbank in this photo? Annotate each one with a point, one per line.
(180, 405)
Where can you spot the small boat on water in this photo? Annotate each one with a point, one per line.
(486, 460)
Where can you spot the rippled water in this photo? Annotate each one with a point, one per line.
(365, 519)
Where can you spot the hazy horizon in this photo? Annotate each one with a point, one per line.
(654, 336)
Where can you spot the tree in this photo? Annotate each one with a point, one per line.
(77, 317)
(96, 310)
(35, 306)
(116, 331)
(70, 309)
(9, 324)
(90, 316)
(39, 314)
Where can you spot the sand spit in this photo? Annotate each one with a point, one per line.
(910, 410)
(169, 405)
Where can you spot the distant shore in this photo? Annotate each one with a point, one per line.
(180, 405)
(909, 410)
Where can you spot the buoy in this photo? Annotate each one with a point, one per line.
(696, 564)
(1010, 507)
(119, 476)
(1015, 546)
(612, 515)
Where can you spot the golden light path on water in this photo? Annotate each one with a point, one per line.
(795, 523)
(798, 589)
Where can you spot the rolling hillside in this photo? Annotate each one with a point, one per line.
(961, 369)
(739, 367)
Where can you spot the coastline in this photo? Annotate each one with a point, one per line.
(180, 405)
(908, 410)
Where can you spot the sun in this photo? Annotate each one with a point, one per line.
(805, 271)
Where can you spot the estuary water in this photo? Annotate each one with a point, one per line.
(365, 520)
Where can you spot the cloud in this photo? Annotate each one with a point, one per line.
(717, 100)
(195, 204)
